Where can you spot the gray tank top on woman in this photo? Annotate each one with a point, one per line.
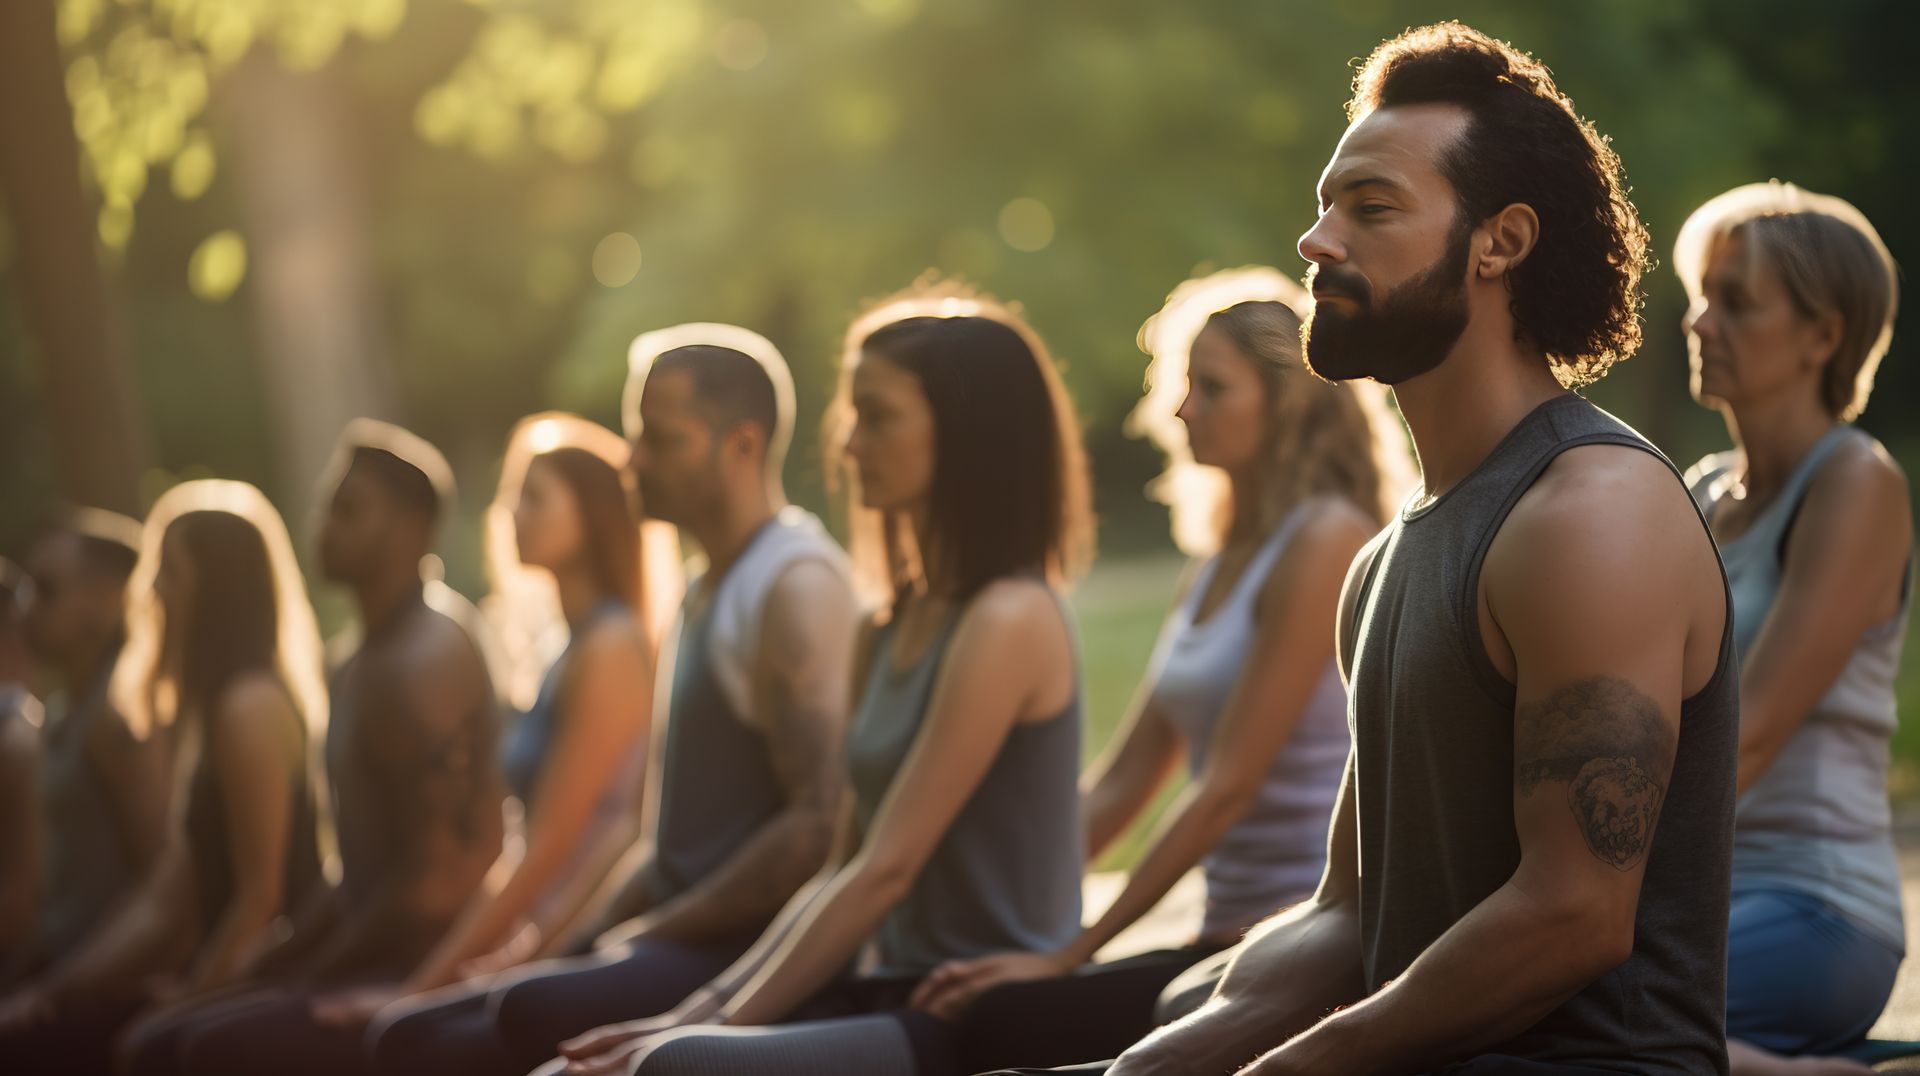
(1434, 752)
(88, 864)
(1006, 873)
(1274, 855)
(1817, 821)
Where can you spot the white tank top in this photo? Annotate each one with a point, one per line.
(1274, 855)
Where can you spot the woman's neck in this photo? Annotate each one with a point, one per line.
(1772, 436)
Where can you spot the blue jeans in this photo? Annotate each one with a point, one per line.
(1801, 977)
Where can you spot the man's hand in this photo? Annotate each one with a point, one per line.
(953, 986)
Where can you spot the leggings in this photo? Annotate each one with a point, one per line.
(78, 1041)
(519, 1022)
(1801, 977)
(1487, 1065)
(1098, 1011)
(859, 1025)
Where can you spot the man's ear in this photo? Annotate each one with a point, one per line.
(1504, 240)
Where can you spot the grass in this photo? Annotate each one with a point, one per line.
(1119, 607)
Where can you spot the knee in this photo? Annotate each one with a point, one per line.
(397, 1040)
(674, 1054)
(522, 1016)
(1182, 996)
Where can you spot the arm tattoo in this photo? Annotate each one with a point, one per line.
(1606, 741)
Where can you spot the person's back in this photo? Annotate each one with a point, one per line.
(1435, 763)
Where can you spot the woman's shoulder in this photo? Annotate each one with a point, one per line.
(1859, 479)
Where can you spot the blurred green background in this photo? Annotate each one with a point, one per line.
(453, 213)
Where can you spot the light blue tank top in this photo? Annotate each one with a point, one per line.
(528, 742)
(1005, 876)
(1818, 820)
(1274, 855)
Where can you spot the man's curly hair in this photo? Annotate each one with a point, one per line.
(1577, 295)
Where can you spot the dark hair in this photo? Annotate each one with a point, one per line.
(608, 523)
(234, 623)
(730, 386)
(1009, 477)
(412, 471)
(1577, 295)
(109, 542)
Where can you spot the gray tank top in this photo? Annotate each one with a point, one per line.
(718, 783)
(1274, 855)
(1006, 873)
(1434, 739)
(1817, 821)
(88, 864)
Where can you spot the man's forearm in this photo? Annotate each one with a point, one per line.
(1287, 975)
(750, 888)
(1495, 973)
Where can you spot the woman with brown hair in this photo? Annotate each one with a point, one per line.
(1275, 480)
(963, 748)
(223, 661)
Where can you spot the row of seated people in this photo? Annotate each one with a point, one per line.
(851, 841)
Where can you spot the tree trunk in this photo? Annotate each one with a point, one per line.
(308, 226)
(98, 437)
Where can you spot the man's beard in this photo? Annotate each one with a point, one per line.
(1408, 333)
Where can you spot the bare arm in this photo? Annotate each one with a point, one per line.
(1010, 659)
(609, 686)
(1289, 973)
(1600, 583)
(1292, 645)
(257, 774)
(1842, 576)
(806, 643)
(428, 712)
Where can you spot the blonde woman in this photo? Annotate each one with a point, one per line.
(1275, 479)
(1793, 301)
(223, 660)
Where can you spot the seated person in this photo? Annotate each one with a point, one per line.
(1793, 304)
(749, 781)
(410, 743)
(102, 790)
(1528, 867)
(1242, 686)
(223, 660)
(964, 837)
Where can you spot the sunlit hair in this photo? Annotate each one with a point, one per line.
(109, 541)
(649, 347)
(406, 465)
(1010, 488)
(248, 610)
(1576, 296)
(1320, 438)
(1829, 258)
(637, 562)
